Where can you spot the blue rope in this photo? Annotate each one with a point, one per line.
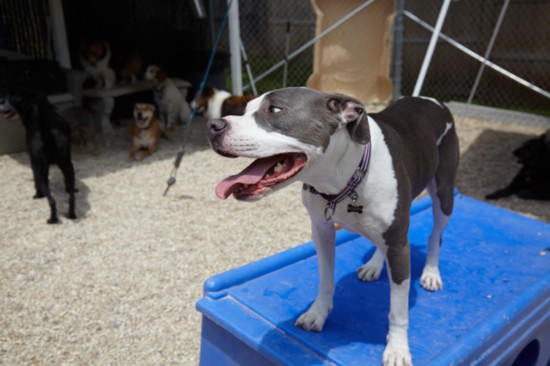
(172, 179)
(211, 60)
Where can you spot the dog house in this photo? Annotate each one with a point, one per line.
(494, 308)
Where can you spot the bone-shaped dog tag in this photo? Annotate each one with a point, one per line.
(356, 209)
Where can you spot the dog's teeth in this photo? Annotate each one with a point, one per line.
(278, 167)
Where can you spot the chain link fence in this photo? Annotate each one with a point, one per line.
(25, 28)
(520, 47)
(272, 29)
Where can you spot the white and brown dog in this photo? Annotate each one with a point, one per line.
(95, 57)
(146, 131)
(173, 107)
(214, 103)
(360, 171)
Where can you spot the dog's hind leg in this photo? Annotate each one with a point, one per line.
(68, 175)
(431, 278)
(38, 174)
(43, 189)
(441, 190)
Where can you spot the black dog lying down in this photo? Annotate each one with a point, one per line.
(48, 142)
(533, 180)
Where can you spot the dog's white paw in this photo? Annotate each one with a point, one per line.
(313, 319)
(396, 356)
(431, 279)
(370, 271)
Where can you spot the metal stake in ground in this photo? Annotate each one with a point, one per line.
(172, 180)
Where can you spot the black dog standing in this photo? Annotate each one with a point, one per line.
(533, 179)
(48, 142)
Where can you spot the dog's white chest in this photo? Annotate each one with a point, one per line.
(144, 139)
(374, 209)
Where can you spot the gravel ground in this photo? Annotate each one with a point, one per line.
(119, 284)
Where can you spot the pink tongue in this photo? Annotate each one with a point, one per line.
(250, 175)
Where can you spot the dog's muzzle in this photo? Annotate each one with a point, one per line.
(216, 127)
(216, 130)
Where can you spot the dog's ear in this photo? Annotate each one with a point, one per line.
(353, 115)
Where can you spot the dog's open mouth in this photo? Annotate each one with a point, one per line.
(141, 122)
(261, 176)
(10, 114)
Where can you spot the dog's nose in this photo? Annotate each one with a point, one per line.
(216, 127)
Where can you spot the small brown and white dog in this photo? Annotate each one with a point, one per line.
(172, 105)
(214, 103)
(146, 131)
(95, 57)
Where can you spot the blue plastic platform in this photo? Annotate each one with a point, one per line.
(494, 308)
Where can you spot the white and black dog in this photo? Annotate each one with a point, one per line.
(359, 170)
(171, 104)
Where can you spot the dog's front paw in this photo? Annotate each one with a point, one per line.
(431, 279)
(313, 319)
(53, 220)
(499, 194)
(396, 356)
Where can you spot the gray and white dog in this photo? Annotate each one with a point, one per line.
(359, 170)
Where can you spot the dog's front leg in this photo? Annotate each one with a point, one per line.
(398, 265)
(514, 187)
(163, 116)
(172, 119)
(133, 152)
(324, 237)
(146, 152)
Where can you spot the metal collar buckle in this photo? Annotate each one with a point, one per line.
(359, 173)
(329, 210)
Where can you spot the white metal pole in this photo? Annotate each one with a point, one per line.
(235, 49)
(431, 47)
(60, 34)
(398, 49)
(248, 69)
(474, 55)
(488, 51)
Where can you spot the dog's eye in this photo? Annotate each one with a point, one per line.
(274, 109)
